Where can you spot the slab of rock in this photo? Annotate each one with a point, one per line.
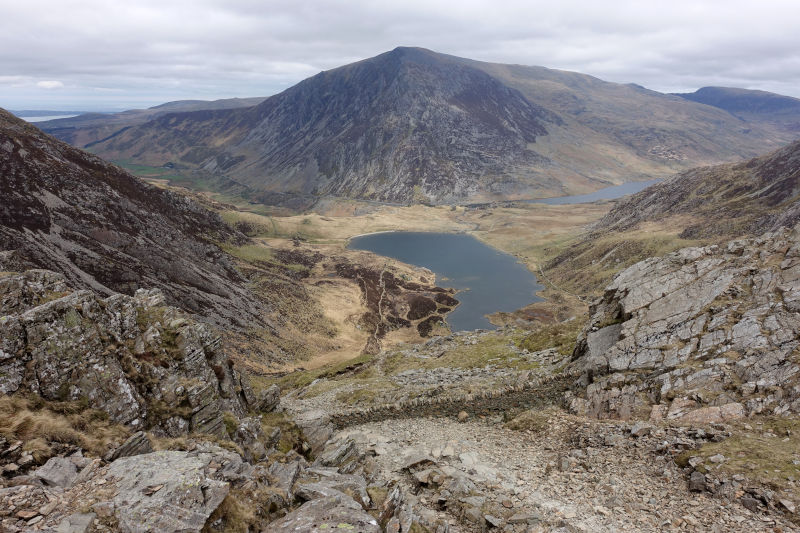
(316, 427)
(269, 399)
(320, 483)
(523, 518)
(136, 444)
(697, 482)
(324, 515)
(641, 429)
(166, 491)
(338, 453)
(57, 472)
(284, 475)
(415, 459)
(76, 523)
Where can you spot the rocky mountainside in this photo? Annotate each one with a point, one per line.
(414, 125)
(706, 205)
(104, 229)
(65, 210)
(783, 111)
(147, 365)
(89, 128)
(703, 334)
(79, 373)
(739, 199)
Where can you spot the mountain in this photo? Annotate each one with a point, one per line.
(762, 194)
(412, 124)
(88, 128)
(782, 111)
(104, 229)
(736, 100)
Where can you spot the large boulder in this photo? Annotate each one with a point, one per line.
(136, 444)
(326, 514)
(168, 491)
(316, 427)
(57, 472)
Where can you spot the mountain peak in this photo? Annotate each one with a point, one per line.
(736, 100)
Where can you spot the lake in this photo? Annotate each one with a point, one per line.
(44, 118)
(487, 280)
(608, 193)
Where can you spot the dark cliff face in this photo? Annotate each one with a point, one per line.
(380, 128)
(68, 211)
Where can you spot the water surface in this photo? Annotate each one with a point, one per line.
(42, 119)
(608, 193)
(488, 280)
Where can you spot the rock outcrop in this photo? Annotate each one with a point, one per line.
(149, 366)
(71, 212)
(701, 335)
(167, 491)
(171, 490)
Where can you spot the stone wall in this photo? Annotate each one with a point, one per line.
(536, 393)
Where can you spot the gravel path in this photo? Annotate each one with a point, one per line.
(579, 475)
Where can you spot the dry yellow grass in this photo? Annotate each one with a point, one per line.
(39, 424)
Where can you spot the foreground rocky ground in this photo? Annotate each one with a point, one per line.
(565, 473)
(675, 410)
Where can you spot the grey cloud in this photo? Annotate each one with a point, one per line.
(144, 52)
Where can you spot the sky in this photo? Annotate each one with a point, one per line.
(112, 55)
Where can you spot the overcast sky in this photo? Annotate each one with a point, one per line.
(114, 54)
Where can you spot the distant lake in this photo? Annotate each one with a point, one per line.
(42, 119)
(495, 280)
(608, 193)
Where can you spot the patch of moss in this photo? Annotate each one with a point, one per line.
(358, 396)
(291, 436)
(560, 336)
(231, 423)
(378, 496)
(536, 421)
(765, 453)
(303, 378)
(72, 318)
(495, 349)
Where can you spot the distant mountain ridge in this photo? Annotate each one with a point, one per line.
(781, 111)
(736, 100)
(415, 125)
(88, 128)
